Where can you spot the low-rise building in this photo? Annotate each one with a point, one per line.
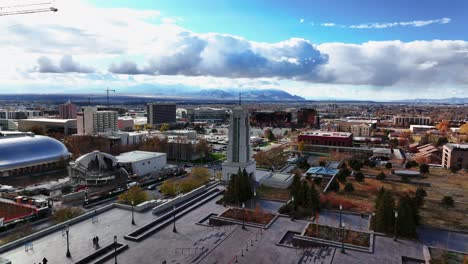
(64, 126)
(406, 121)
(141, 163)
(277, 180)
(421, 128)
(455, 156)
(7, 124)
(207, 114)
(327, 138)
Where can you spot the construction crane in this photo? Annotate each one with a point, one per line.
(108, 90)
(33, 7)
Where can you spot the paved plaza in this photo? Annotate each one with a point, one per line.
(195, 243)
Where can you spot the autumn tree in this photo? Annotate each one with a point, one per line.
(464, 129)
(38, 130)
(135, 194)
(165, 127)
(202, 148)
(443, 126)
(269, 135)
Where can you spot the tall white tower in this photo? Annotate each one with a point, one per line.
(238, 150)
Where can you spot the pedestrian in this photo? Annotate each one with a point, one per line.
(44, 261)
(97, 241)
(94, 241)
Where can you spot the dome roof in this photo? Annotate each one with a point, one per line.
(22, 151)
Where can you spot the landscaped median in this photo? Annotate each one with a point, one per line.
(316, 234)
(256, 218)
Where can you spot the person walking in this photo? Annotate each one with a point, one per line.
(44, 261)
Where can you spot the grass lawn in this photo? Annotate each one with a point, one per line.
(269, 193)
(443, 182)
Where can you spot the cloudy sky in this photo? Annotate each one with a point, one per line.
(322, 49)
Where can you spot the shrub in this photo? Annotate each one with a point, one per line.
(388, 165)
(317, 181)
(424, 168)
(349, 187)
(334, 186)
(381, 176)
(359, 177)
(448, 201)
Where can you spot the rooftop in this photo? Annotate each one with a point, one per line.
(49, 120)
(327, 134)
(456, 146)
(137, 155)
(322, 171)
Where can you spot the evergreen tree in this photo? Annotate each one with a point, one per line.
(406, 221)
(313, 198)
(384, 215)
(349, 187)
(420, 195)
(295, 186)
(342, 174)
(388, 165)
(358, 176)
(424, 168)
(381, 176)
(334, 186)
(302, 198)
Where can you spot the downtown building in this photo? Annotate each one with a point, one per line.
(91, 121)
(406, 121)
(339, 139)
(67, 111)
(160, 113)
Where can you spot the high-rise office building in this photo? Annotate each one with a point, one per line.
(238, 150)
(159, 113)
(91, 121)
(67, 111)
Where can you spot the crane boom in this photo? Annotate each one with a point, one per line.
(107, 91)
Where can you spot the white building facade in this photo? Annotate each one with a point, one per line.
(92, 121)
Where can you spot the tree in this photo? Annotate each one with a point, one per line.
(358, 176)
(464, 129)
(419, 196)
(135, 194)
(424, 168)
(349, 187)
(384, 214)
(201, 174)
(302, 197)
(164, 127)
(300, 146)
(334, 186)
(381, 176)
(296, 185)
(406, 221)
(443, 126)
(239, 189)
(148, 127)
(313, 199)
(38, 130)
(388, 165)
(342, 174)
(447, 201)
(355, 164)
(269, 135)
(442, 141)
(202, 148)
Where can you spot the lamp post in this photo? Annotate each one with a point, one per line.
(294, 206)
(133, 217)
(395, 229)
(67, 229)
(342, 237)
(174, 219)
(115, 249)
(341, 210)
(243, 212)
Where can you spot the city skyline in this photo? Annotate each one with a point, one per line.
(320, 50)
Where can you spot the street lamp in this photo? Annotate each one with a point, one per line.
(342, 237)
(67, 229)
(115, 249)
(174, 219)
(243, 212)
(295, 208)
(133, 217)
(395, 229)
(341, 210)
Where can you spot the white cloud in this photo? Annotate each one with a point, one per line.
(118, 43)
(328, 24)
(301, 20)
(416, 23)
